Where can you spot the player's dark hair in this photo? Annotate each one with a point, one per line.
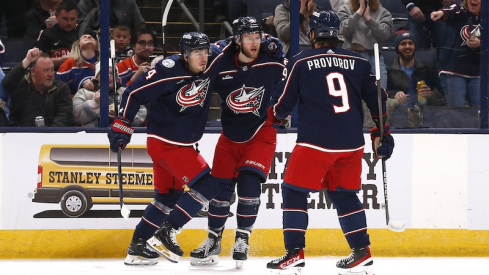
(65, 5)
(328, 42)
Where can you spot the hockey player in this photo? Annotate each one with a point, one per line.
(329, 83)
(179, 90)
(244, 152)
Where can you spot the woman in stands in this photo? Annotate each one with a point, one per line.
(79, 69)
(364, 23)
(460, 56)
(282, 23)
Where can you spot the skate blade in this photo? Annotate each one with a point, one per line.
(239, 264)
(211, 260)
(359, 270)
(138, 260)
(159, 248)
(289, 271)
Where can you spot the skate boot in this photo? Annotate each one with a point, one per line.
(164, 241)
(240, 247)
(292, 261)
(208, 252)
(358, 263)
(139, 254)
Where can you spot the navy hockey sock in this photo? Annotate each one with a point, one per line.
(219, 207)
(203, 190)
(249, 190)
(351, 215)
(295, 218)
(155, 214)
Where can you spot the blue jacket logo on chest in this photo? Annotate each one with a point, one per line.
(193, 94)
(246, 100)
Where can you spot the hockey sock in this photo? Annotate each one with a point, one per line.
(351, 215)
(219, 207)
(249, 190)
(295, 218)
(156, 213)
(203, 190)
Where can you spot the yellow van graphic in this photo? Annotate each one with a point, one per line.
(79, 176)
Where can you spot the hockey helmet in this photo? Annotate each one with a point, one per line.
(325, 24)
(247, 24)
(194, 41)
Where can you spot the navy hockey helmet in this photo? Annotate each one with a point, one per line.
(194, 41)
(325, 24)
(247, 24)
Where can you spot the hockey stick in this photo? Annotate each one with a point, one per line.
(124, 210)
(163, 24)
(396, 226)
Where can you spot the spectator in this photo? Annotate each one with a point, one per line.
(404, 74)
(121, 34)
(460, 56)
(122, 12)
(426, 31)
(86, 103)
(42, 15)
(282, 23)
(38, 94)
(131, 68)
(78, 70)
(14, 13)
(57, 40)
(364, 25)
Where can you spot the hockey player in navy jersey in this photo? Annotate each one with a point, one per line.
(245, 150)
(178, 89)
(329, 83)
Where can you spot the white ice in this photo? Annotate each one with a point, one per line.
(254, 266)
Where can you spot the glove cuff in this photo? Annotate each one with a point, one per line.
(122, 125)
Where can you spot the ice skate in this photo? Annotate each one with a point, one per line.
(290, 263)
(164, 241)
(240, 247)
(358, 263)
(139, 254)
(208, 252)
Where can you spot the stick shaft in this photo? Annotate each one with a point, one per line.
(381, 128)
(119, 171)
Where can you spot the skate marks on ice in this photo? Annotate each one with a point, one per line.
(253, 266)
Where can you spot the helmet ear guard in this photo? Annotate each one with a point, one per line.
(191, 41)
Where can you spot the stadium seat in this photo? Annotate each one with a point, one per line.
(15, 51)
(395, 7)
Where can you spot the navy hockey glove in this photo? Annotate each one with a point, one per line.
(272, 117)
(120, 134)
(385, 148)
(272, 46)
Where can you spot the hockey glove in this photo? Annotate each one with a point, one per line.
(120, 134)
(385, 148)
(272, 46)
(272, 117)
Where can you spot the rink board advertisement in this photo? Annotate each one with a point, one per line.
(37, 167)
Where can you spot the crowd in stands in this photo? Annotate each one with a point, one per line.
(58, 79)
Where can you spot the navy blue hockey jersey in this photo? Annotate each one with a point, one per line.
(329, 85)
(245, 92)
(179, 100)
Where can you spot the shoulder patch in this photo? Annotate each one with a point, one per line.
(168, 63)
